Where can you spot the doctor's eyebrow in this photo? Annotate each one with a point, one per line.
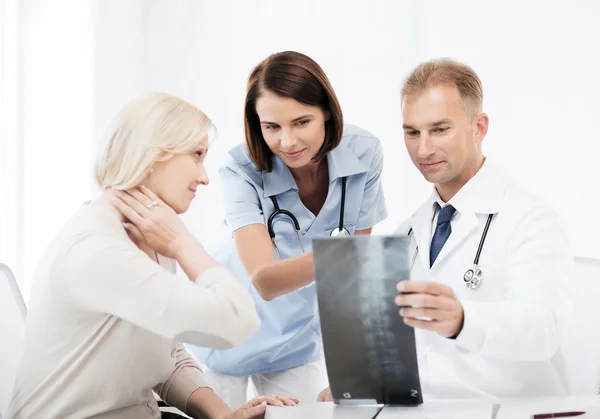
(440, 122)
(433, 124)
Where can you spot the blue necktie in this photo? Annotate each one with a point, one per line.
(442, 232)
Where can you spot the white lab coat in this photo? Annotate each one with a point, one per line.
(515, 322)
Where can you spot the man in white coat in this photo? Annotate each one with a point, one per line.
(501, 337)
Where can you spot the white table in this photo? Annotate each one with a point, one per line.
(444, 409)
(322, 411)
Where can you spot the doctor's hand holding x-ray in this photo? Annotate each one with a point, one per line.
(430, 306)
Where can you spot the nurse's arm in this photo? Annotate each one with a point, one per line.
(272, 277)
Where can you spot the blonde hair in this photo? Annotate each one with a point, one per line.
(448, 72)
(151, 128)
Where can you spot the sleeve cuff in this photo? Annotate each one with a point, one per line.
(472, 335)
(186, 379)
(187, 382)
(235, 224)
(372, 221)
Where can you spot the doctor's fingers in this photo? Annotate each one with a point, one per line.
(446, 327)
(434, 325)
(424, 287)
(424, 301)
(429, 313)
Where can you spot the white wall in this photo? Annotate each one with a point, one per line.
(117, 56)
(9, 116)
(56, 121)
(81, 60)
(538, 60)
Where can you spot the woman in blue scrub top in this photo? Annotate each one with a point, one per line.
(299, 152)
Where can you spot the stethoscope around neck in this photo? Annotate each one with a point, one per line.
(473, 277)
(340, 230)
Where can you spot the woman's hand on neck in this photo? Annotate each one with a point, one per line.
(105, 201)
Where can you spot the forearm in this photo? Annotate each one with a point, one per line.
(204, 403)
(280, 277)
(193, 259)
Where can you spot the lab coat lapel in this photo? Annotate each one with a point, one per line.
(482, 195)
(460, 231)
(421, 226)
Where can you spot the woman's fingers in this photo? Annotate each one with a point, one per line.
(126, 210)
(325, 396)
(140, 197)
(256, 412)
(133, 203)
(275, 400)
(151, 195)
(134, 233)
(287, 401)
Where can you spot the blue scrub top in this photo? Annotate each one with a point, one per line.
(290, 333)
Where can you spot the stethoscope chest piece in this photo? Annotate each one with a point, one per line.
(340, 232)
(473, 277)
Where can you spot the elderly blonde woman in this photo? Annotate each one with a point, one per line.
(107, 312)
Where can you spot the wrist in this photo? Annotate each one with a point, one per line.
(225, 414)
(185, 246)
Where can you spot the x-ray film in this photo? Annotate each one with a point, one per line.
(370, 353)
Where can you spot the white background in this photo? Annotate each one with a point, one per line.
(69, 65)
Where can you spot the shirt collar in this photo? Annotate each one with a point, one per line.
(482, 194)
(278, 180)
(341, 162)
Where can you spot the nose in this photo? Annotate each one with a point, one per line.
(426, 147)
(202, 178)
(287, 139)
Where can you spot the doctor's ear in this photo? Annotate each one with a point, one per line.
(327, 115)
(481, 123)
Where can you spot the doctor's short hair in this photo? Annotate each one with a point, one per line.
(445, 71)
(149, 129)
(292, 75)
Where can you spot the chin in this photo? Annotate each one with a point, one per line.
(436, 178)
(296, 164)
(178, 207)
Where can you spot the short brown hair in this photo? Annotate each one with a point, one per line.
(449, 72)
(293, 75)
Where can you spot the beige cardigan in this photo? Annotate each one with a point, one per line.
(103, 323)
